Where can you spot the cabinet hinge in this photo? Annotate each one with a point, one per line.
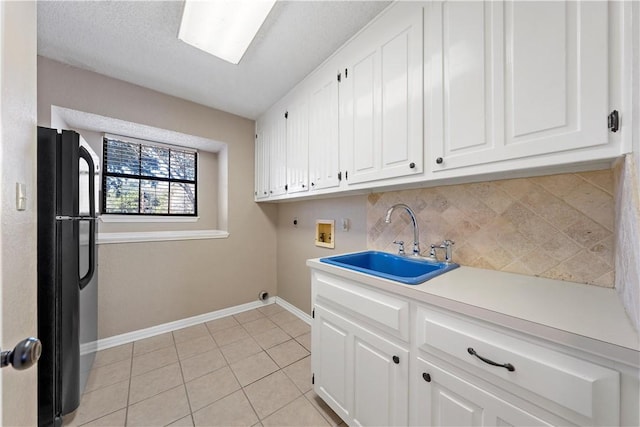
(286, 187)
(339, 176)
(613, 121)
(345, 73)
(256, 136)
(286, 114)
(313, 313)
(313, 378)
(346, 175)
(339, 77)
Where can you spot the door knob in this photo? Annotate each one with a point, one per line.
(23, 356)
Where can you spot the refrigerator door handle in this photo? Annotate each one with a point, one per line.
(84, 281)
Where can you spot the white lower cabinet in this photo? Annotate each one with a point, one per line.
(360, 354)
(330, 359)
(359, 373)
(577, 391)
(443, 398)
(383, 359)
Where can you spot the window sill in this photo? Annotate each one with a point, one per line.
(160, 236)
(146, 218)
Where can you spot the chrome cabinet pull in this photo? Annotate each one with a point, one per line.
(508, 366)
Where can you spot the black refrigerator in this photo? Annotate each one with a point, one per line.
(67, 270)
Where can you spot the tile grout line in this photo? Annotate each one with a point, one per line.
(184, 382)
(234, 375)
(126, 409)
(330, 422)
(239, 383)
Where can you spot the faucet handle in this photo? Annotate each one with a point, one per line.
(446, 245)
(400, 246)
(432, 252)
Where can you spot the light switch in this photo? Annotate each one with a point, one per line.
(21, 196)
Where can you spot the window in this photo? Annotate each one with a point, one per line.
(148, 179)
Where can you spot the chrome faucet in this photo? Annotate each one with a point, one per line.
(416, 239)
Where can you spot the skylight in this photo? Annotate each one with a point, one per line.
(223, 28)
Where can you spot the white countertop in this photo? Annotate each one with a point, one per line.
(570, 313)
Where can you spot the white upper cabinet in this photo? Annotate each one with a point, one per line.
(556, 68)
(445, 90)
(324, 142)
(276, 127)
(261, 163)
(508, 80)
(460, 88)
(297, 142)
(381, 97)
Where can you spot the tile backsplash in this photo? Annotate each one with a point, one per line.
(557, 226)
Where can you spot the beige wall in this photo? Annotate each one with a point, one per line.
(627, 260)
(627, 188)
(296, 244)
(18, 274)
(146, 284)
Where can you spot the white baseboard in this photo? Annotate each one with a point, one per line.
(128, 337)
(294, 310)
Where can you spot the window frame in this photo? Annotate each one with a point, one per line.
(140, 177)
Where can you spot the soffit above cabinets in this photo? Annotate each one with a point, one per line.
(136, 41)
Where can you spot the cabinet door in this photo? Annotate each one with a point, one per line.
(445, 399)
(261, 163)
(297, 118)
(500, 85)
(381, 97)
(556, 76)
(462, 83)
(380, 381)
(277, 139)
(324, 142)
(362, 376)
(332, 360)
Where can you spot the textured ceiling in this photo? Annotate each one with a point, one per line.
(136, 41)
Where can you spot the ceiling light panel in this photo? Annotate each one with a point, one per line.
(224, 28)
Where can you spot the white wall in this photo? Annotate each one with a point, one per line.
(636, 88)
(18, 274)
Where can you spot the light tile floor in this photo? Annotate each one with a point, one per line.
(252, 368)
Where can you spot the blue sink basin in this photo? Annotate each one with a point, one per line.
(401, 269)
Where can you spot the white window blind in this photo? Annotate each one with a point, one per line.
(148, 179)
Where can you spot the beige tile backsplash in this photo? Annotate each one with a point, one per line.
(558, 226)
